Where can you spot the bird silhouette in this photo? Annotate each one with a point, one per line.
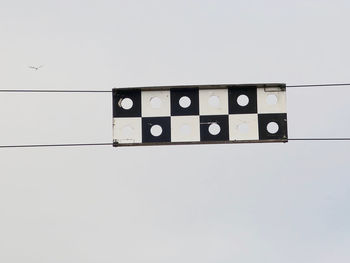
(35, 68)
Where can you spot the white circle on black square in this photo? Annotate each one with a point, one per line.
(273, 126)
(156, 129)
(214, 128)
(184, 101)
(126, 103)
(242, 99)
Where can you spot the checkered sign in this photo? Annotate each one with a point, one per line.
(199, 114)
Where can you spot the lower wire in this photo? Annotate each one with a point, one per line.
(56, 145)
(110, 144)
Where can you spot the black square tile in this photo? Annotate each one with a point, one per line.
(177, 94)
(119, 95)
(234, 93)
(280, 119)
(206, 121)
(148, 123)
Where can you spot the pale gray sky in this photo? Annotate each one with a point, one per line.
(225, 203)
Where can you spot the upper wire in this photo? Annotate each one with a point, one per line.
(53, 91)
(108, 91)
(318, 85)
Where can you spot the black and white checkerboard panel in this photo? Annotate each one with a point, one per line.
(195, 115)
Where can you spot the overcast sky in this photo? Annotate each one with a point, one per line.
(218, 203)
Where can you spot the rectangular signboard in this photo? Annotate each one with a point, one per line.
(202, 114)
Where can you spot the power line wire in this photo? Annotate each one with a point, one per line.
(318, 85)
(319, 139)
(56, 145)
(109, 91)
(110, 144)
(52, 91)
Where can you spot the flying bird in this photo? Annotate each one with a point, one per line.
(35, 68)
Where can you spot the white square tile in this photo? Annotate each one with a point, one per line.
(213, 101)
(243, 127)
(185, 129)
(271, 101)
(155, 103)
(127, 130)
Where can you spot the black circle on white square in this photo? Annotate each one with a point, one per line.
(184, 101)
(156, 129)
(242, 99)
(126, 103)
(214, 128)
(273, 126)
